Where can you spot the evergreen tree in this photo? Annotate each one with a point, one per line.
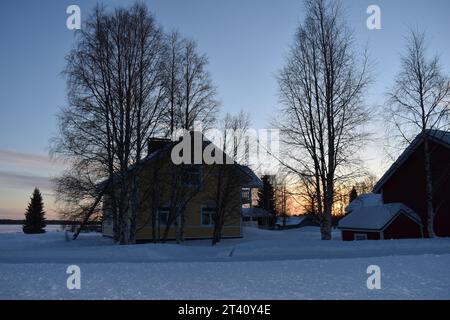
(353, 195)
(266, 195)
(34, 217)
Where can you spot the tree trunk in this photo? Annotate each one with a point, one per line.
(180, 226)
(134, 210)
(325, 227)
(429, 189)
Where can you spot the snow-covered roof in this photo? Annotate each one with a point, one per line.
(253, 180)
(439, 136)
(290, 221)
(255, 212)
(375, 217)
(365, 200)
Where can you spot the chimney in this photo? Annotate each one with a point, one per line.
(154, 144)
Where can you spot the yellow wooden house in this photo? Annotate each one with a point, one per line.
(187, 195)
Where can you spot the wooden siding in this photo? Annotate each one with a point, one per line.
(155, 185)
(407, 185)
(403, 227)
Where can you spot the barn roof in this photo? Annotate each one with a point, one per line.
(376, 217)
(439, 136)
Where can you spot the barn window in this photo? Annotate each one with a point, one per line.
(360, 236)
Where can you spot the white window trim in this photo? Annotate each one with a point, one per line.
(364, 236)
(158, 212)
(211, 216)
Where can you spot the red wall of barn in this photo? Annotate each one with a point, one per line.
(350, 235)
(407, 185)
(402, 228)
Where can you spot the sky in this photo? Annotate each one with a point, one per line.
(246, 41)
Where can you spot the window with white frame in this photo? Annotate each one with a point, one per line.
(208, 216)
(163, 215)
(360, 236)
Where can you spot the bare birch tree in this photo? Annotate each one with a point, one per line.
(229, 177)
(190, 98)
(172, 80)
(190, 94)
(282, 196)
(420, 103)
(114, 104)
(321, 90)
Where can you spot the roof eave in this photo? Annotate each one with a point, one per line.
(404, 156)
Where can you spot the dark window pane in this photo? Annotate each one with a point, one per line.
(208, 215)
(206, 219)
(163, 215)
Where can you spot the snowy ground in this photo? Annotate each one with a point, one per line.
(288, 264)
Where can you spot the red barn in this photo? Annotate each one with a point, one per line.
(387, 221)
(405, 181)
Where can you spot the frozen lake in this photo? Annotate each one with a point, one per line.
(14, 228)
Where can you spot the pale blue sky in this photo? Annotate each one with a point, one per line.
(246, 42)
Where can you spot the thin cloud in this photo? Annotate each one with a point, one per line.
(24, 180)
(20, 158)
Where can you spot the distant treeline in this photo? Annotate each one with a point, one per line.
(48, 222)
